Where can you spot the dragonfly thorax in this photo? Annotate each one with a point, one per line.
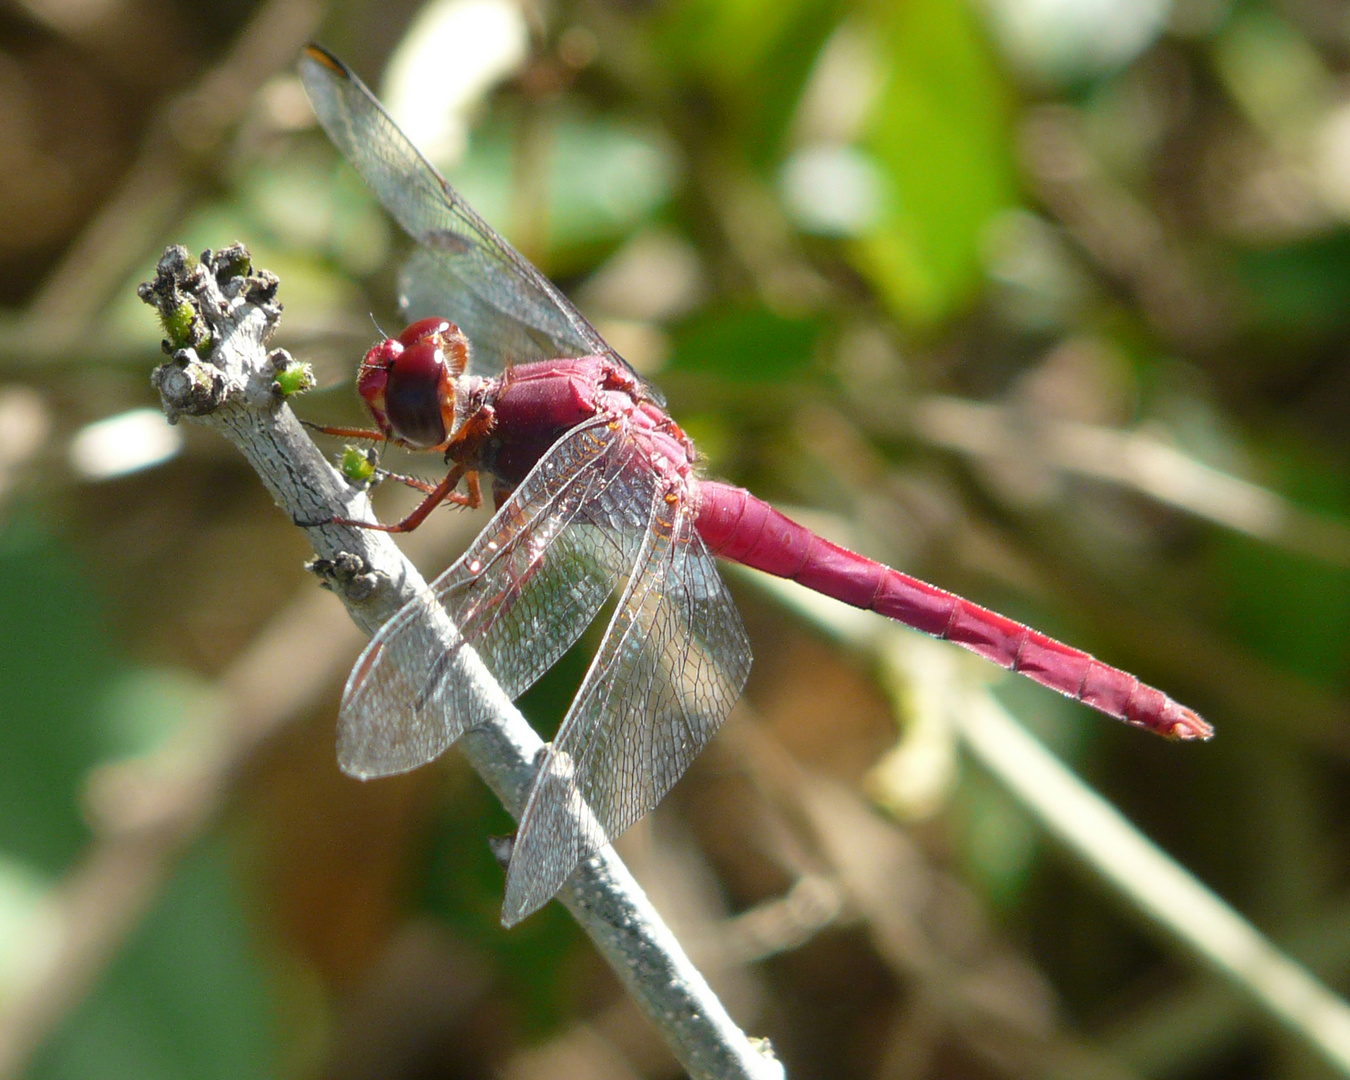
(408, 382)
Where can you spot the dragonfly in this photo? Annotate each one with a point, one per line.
(598, 492)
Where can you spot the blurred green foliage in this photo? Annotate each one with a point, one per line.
(57, 663)
(188, 996)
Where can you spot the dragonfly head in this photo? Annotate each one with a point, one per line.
(408, 382)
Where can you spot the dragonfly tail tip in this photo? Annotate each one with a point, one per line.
(1190, 726)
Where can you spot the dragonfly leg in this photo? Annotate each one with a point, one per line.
(348, 432)
(473, 499)
(464, 442)
(413, 482)
(444, 492)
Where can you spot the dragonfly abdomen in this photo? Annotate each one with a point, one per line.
(738, 526)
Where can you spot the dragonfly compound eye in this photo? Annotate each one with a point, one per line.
(419, 394)
(425, 328)
(445, 335)
(373, 377)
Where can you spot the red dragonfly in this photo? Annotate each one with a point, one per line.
(597, 491)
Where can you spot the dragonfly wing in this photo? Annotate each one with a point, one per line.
(468, 272)
(673, 662)
(501, 325)
(520, 596)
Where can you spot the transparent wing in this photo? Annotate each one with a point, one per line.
(508, 309)
(524, 591)
(432, 284)
(673, 662)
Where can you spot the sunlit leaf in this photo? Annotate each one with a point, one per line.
(939, 132)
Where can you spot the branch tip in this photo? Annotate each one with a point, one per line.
(202, 305)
